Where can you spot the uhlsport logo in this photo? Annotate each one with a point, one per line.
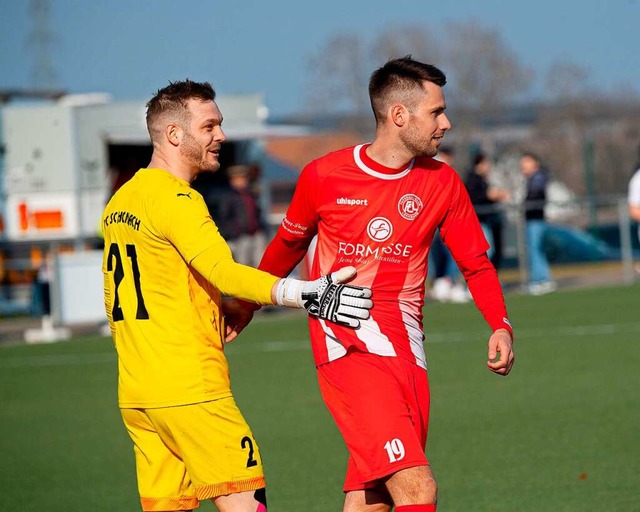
(379, 229)
(352, 202)
(409, 206)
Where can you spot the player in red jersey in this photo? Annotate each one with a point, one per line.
(376, 207)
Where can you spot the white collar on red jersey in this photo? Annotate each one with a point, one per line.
(375, 169)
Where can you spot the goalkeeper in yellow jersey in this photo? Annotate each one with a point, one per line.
(165, 269)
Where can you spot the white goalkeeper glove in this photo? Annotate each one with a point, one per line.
(328, 297)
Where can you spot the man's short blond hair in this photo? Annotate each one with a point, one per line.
(170, 104)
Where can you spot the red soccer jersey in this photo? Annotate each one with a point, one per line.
(382, 222)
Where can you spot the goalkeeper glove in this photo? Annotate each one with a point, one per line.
(328, 297)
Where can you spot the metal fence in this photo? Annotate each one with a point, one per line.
(587, 241)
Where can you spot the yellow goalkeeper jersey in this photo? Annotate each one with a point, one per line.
(162, 252)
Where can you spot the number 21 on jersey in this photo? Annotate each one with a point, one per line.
(115, 265)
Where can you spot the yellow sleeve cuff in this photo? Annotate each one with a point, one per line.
(234, 279)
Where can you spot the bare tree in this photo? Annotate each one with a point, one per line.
(562, 124)
(486, 79)
(566, 80)
(485, 73)
(340, 69)
(410, 39)
(593, 133)
(338, 76)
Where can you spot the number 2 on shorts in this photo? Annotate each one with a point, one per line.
(246, 440)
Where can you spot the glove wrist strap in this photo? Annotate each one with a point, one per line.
(288, 293)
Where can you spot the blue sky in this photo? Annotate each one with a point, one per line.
(131, 48)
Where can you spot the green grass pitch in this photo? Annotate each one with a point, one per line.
(561, 433)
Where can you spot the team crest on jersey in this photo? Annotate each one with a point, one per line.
(409, 206)
(379, 229)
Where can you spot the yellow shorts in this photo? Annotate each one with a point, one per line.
(193, 452)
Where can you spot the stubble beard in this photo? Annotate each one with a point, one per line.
(420, 148)
(192, 151)
(418, 145)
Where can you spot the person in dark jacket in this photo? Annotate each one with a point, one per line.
(537, 177)
(235, 208)
(486, 200)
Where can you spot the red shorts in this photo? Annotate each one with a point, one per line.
(381, 406)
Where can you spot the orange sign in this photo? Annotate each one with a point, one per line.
(39, 219)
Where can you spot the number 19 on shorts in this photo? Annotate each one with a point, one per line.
(395, 450)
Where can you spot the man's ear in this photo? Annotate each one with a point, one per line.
(173, 133)
(399, 114)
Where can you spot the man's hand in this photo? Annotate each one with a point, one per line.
(237, 315)
(328, 297)
(501, 344)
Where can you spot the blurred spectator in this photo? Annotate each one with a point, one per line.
(537, 177)
(41, 260)
(447, 283)
(236, 211)
(486, 198)
(634, 197)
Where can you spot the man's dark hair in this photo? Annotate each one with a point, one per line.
(400, 76)
(173, 99)
(532, 155)
(478, 158)
(448, 150)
